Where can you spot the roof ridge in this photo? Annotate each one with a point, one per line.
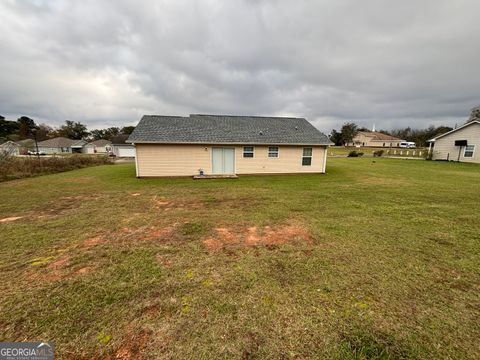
(249, 116)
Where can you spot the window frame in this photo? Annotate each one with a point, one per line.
(307, 156)
(269, 152)
(469, 151)
(248, 152)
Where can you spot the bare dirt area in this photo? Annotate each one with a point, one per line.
(133, 347)
(254, 236)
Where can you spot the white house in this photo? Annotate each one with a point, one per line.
(460, 144)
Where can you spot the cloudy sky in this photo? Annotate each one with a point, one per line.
(106, 63)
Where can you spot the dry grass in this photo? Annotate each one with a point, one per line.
(371, 261)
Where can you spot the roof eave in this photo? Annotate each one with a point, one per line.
(133, 142)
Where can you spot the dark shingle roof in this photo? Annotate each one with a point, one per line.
(226, 129)
(101, 142)
(57, 142)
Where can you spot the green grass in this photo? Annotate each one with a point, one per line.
(104, 264)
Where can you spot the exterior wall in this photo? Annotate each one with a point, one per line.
(88, 149)
(445, 148)
(115, 148)
(186, 160)
(50, 150)
(363, 140)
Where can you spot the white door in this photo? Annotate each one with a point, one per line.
(223, 160)
(126, 152)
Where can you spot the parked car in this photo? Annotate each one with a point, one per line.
(30, 152)
(408, 145)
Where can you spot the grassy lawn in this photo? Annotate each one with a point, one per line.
(376, 259)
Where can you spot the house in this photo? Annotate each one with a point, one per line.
(375, 139)
(26, 145)
(56, 145)
(60, 145)
(98, 147)
(121, 148)
(460, 144)
(10, 148)
(220, 144)
(102, 146)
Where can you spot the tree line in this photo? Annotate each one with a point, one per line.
(26, 128)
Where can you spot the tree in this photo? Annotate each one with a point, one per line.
(26, 127)
(475, 114)
(106, 134)
(349, 131)
(8, 127)
(127, 130)
(44, 132)
(72, 130)
(2, 117)
(336, 137)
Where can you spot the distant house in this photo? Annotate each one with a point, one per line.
(375, 139)
(460, 144)
(11, 148)
(61, 145)
(227, 145)
(98, 147)
(121, 148)
(102, 146)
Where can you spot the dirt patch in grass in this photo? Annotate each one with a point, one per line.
(10, 219)
(59, 264)
(253, 236)
(97, 240)
(133, 346)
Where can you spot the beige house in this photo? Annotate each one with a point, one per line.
(227, 145)
(375, 139)
(460, 144)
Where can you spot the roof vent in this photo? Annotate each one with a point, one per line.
(260, 133)
(296, 127)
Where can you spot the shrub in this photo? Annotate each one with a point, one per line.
(378, 153)
(17, 168)
(355, 153)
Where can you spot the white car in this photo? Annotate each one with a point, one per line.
(408, 145)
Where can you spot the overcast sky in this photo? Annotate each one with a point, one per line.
(106, 63)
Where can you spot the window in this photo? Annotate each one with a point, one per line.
(248, 151)
(273, 151)
(307, 157)
(469, 150)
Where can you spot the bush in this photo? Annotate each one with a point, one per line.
(17, 168)
(378, 153)
(355, 153)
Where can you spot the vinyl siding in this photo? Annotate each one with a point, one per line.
(445, 148)
(186, 160)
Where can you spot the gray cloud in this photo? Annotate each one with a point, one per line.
(106, 63)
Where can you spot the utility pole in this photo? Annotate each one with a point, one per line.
(36, 143)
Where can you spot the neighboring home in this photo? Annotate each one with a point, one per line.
(220, 144)
(61, 145)
(375, 139)
(460, 144)
(26, 145)
(98, 147)
(121, 148)
(11, 148)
